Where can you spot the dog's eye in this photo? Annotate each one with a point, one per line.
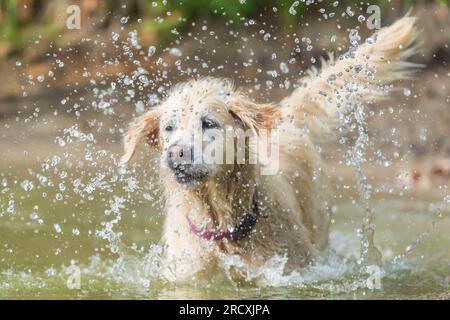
(209, 124)
(168, 127)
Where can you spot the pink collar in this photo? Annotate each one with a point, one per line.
(243, 228)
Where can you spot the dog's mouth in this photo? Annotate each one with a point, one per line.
(186, 174)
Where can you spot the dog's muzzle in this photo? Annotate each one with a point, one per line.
(181, 162)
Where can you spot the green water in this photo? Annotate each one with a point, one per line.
(42, 234)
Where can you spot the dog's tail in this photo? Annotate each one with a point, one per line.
(360, 75)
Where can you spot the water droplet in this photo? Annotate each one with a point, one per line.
(447, 199)
(284, 67)
(57, 228)
(27, 185)
(294, 5)
(349, 12)
(423, 134)
(175, 52)
(151, 51)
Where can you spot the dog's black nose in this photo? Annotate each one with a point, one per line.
(179, 156)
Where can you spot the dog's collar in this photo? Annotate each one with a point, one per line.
(242, 229)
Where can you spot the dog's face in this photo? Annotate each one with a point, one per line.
(191, 125)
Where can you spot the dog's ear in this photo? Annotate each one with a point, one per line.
(147, 127)
(251, 115)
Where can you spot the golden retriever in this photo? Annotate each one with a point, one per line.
(235, 208)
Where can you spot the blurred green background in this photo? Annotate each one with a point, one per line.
(22, 20)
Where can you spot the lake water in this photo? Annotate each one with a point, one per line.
(107, 226)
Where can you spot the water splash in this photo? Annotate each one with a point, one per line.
(370, 255)
(355, 114)
(335, 272)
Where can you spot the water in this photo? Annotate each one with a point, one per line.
(75, 224)
(45, 236)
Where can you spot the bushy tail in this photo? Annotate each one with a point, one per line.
(360, 75)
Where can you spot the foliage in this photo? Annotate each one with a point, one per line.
(18, 32)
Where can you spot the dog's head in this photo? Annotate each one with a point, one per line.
(192, 123)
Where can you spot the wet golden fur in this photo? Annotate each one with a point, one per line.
(296, 199)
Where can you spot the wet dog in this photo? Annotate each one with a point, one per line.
(263, 209)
